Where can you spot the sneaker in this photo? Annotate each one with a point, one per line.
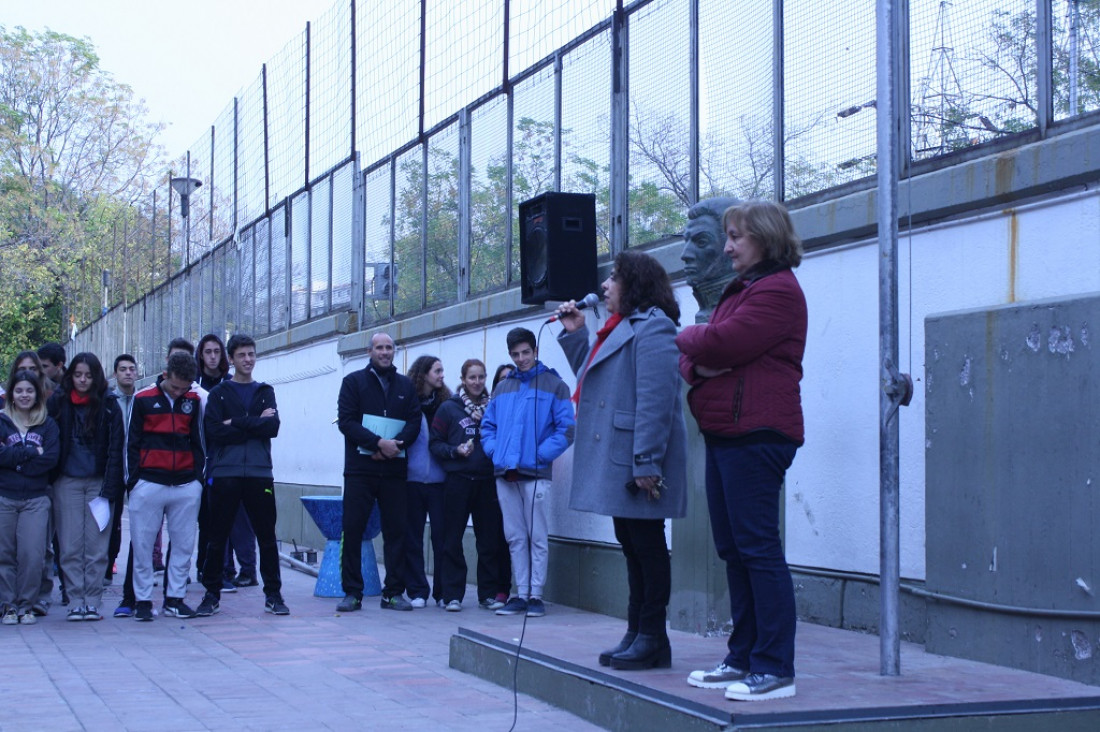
(245, 580)
(92, 613)
(536, 608)
(76, 614)
(10, 617)
(397, 602)
(274, 604)
(125, 610)
(454, 606)
(514, 606)
(209, 606)
(349, 604)
(41, 608)
(491, 603)
(177, 607)
(144, 611)
(717, 678)
(419, 602)
(228, 586)
(28, 619)
(761, 687)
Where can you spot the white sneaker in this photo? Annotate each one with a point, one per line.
(718, 678)
(418, 602)
(454, 606)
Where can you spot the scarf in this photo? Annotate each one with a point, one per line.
(601, 336)
(474, 409)
(78, 399)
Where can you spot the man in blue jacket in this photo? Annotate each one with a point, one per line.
(528, 424)
(375, 469)
(241, 419)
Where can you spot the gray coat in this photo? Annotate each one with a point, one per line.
(629, 420)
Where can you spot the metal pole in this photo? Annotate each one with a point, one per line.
(779, 165)
(887, 130)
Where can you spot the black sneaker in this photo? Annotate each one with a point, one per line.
(349, 604)
(274, 604)
(761, 687)
(515, 606)
(144, 611)
(228, 586)
(177, 607)
(244, 580)
(536, 608)
(397, 602)
(209, 606)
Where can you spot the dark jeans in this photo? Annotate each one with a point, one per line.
(743, 483)
(464, 497)
(241, 540)
(648, 573)
(425, 500)
(360, 494)
(114, 545)
(257, 497)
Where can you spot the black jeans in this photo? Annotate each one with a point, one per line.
(361, 492)
(425, 500)
(648, 573)
(257, 495)
(463, 497)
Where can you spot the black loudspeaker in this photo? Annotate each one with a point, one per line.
(557, 244)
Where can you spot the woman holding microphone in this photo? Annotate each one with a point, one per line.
(630, 424)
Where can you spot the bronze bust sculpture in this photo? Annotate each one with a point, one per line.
(706, 268)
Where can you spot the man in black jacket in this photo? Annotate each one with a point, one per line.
(241, 418)
(375, 469)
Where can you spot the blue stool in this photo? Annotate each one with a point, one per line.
(328, 513)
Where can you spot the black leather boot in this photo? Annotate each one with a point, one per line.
(647, 651)
(605, 657)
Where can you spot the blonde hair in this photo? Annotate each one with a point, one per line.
(770, 225)
(36, 415)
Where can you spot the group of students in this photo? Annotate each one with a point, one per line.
(71, 448)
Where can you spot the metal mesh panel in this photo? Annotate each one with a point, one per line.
(286, 114)
(407, 247)
(826, 76)
(217, 279)
(196, 325)
(206, 288)
(1076, 57)
(262, 246)
(251, 176)
(279, 307)
(586, 128)
(387, 75)
(443, 220)
(540, 27)
(489, 219)
(221, 183)
(343, 222)
(736, 146)
(232, 289)
(461, 65)
(376, 247)
(319, 242)
(660, 100)
(299, 258)
(330, 89)
(246, 287)
(200, 200)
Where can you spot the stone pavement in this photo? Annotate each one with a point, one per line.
(245, 669)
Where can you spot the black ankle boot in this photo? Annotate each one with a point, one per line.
(605, 657)
(647, 651)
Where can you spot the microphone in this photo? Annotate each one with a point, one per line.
(590, 300)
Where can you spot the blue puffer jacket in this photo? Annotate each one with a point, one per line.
(529, 422)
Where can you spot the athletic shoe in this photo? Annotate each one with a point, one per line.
(761, 687)
(350, 603)
(124, 611)
(92, 613)
(536, 608)
(718, 678)
(397, 602)
(514, 606)
(177, 607)
(10, 617)
(28, 619)
(76, 614)
(491, 603)
(245, 580)
(143, 612)
(209, 606)
(274, 604)
(228, 586)
(419, 602)
(454, 606)
(41, 608)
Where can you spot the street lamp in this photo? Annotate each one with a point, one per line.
(185, 187)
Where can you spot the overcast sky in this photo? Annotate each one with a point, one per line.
(186, 59)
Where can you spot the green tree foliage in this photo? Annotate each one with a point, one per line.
(76, 161)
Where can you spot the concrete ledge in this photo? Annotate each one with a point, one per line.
(314, 330)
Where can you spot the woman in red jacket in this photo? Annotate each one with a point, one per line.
(744, 367)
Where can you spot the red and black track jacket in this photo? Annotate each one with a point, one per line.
(165, 441)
